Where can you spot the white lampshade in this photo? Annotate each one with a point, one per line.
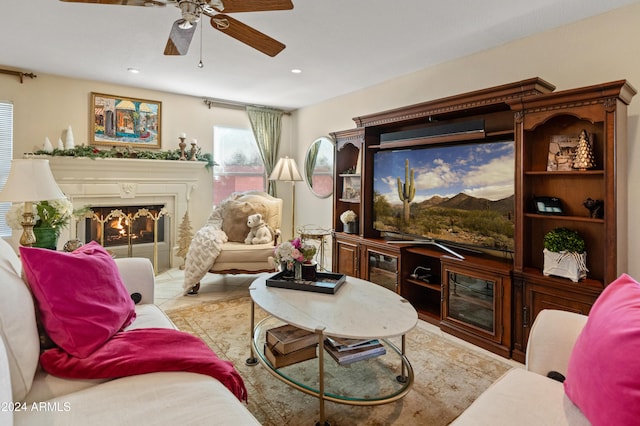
(285, 170)
(30, 180)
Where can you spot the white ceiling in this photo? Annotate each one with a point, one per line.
(340, 45)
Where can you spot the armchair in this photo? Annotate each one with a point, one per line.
(219, 246)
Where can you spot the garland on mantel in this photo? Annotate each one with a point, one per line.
(93, 152)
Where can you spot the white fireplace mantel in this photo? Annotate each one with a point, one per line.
(127, 182)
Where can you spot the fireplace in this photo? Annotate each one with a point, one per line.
(129, 228)
(133, 183)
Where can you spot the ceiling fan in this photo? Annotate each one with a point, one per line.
(183, 29)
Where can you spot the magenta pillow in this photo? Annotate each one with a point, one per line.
(603, 377)
(80, 295)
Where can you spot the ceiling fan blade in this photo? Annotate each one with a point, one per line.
(123, 2)
(180, 38)
(247, 35)
(234, 6)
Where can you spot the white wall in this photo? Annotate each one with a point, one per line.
(46, 105)
(596, 50)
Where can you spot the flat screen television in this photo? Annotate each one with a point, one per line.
(457, 195)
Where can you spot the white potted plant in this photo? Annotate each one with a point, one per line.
(349, 221)
(565, 255)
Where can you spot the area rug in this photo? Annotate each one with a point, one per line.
(448, 375)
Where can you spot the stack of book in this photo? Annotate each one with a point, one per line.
(286, 345)
(347, 351)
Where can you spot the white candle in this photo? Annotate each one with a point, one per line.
(194, 141)
(183, 135)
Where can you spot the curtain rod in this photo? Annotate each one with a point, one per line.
(232, 104)
(18, 74)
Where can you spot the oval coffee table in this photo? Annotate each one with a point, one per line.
(359, 310)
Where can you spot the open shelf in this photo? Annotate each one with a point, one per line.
(564, 174)
(562, 217)
(435, 287)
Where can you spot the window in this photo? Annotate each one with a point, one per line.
(240, 166)
(6, 154)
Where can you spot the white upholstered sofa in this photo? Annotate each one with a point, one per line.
(30, 396)
(526, 396)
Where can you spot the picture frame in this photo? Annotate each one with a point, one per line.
(562, 151)
(351, 187)
(125, 121)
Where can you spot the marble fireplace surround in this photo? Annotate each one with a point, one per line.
(130, 182)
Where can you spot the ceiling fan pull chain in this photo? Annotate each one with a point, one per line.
(200, 64)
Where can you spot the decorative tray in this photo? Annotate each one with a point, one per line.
(325, 282)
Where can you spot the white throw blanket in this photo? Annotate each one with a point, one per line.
(204, 249)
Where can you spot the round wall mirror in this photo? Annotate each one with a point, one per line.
(318, 167)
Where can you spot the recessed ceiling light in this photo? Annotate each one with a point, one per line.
(296, 71)
(133, 70)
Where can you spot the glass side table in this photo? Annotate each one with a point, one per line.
(317, 233)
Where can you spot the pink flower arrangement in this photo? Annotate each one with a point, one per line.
(294, 251)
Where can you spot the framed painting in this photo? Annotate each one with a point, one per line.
(120, 121)
(562, 151)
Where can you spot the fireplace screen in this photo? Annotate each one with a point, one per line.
(125, 230)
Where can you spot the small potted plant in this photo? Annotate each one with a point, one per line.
(350, 221)
(564, 254)
(50, 218)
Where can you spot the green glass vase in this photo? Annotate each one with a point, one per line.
(46, 238)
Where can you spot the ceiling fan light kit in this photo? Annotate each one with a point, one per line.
(191, 11)
(182, 30)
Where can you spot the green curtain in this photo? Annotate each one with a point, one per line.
(267, 126)
(310, 162)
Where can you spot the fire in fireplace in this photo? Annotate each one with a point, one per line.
(119, 230)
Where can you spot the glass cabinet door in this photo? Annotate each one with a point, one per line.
(382, 269)
(471, 300)
(476, 303)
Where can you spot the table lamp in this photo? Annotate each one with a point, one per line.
(287, 171)
(29, 181)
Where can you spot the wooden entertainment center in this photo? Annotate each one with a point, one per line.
(491, 298)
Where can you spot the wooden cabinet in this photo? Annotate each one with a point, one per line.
(542, 122)
(517, 290)
(535, 292)
(469, 298)
(346, 255)
(347, 183)
(476, 302)
(371, 260)
(418, 269)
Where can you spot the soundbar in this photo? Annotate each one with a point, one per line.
(472, 126)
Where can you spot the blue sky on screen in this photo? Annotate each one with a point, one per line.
(481, 170)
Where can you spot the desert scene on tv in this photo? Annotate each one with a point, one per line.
(461, 194)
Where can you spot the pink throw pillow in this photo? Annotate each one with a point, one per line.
(80, 295)
(603, 377)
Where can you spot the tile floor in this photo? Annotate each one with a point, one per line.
(169, 295)
(169, 291)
